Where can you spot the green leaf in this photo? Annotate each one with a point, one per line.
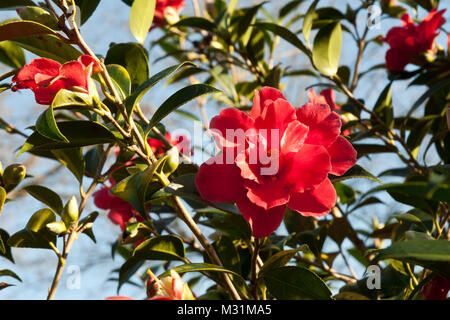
(180, 98)
(355, 172)
(439, 192)
(140, 91)
(198, 267)
(5, 249)
(141, 18)
(383, 106)
(79, 134)
(196, 22)
(133, 57)
(327, 49)
(69, 99)
(133, 189)
(9, 273)
(432, 254)
(46, 196)
(46, 125)
(293, 283)
(35, 234)
(39, 15)
(87, 8)
(279, 259)
(2, 198)
(365, 149)
(284, 33)
(244, 29)
(227, 253)
(121, 79)
(19, 29)
(73, 159)
(48, 46)
(11, 54)
(308, 21)
(167, 247)
(14, 4)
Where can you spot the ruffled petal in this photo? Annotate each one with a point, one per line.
(230, 126)
(219, 182)
(317, 202)
(265, 96)
(294, 136)
(269, 194)
(396, 60)
(343, 156)
(308, 168)
(324, 125)
(74, 71)
(263, 222)
(43, 66)
(276, 115)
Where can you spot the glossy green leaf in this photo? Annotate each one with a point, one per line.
(9, 273)
(141, 18)
(383, 106)
(73, 159)
(196, 22)
(292, 283)
(46, 126)
(87, 8)
(133, 57)
(198, 267)
(14, 4)
(140, 91)
(46, 196)
(19, 29)
(5, 249)
(11, 54)
(279, 259)
(40, 219)
(39, 15)
(365, 148)
(432, 254)
(227, 253)
(121, 79)
(355, 172)
(284, 33)
(69, 99)
(327, 49)
(2, 198)
(48, 46)
(439, 192)
(79, 134)
(244, 28)
(167, 247)
(308, 21)
(180, 98)
(2, 246)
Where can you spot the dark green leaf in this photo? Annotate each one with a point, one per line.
(46, 125)
(2, 198)
(308, 21)
(279, 259)
(121, 79)
(11, 54)
(14, 4)
(180, 98)
(167, 247)
(87, 8)
(19, 29)
(196, 22)
(131, 56)
(292, 283)
(46, 196)
(353, 173)
(9, 273)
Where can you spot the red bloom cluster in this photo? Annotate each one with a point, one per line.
(46, 77)
(436, 289)
(306, 148)
(410, 40)
(165, 7)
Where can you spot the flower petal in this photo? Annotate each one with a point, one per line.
(265, 96)
(343, 156)
(294, 136)
(308, 168)
(317, 202)
(230, 126)
(74, 71)
(324, 125)
(269, 194)
(219, 182)
(263, 222)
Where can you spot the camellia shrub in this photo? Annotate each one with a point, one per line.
(276, 192)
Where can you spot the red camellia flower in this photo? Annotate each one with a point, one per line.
(46, 77)
(276, 156)
(436, 289)
(120, 212)
(164, 8)
(410, 40)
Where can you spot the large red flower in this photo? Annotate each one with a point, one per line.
(46, 77)
(276, 156)
(164, 8)
(410, 40)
